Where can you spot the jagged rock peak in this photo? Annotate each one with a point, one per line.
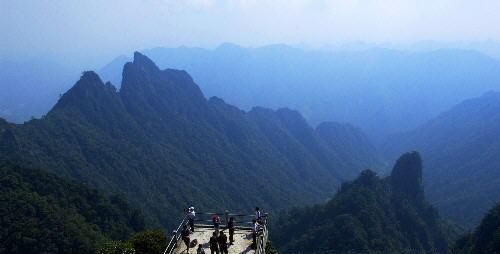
(144, 61)
(406, 175)
(88, 81)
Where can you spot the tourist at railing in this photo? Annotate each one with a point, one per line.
(214, 245)
(230, 226)
(191, 214)
(255, 231)
(258, 215)
(185, 237)
(216, 222)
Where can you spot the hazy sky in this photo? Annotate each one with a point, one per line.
(91, 30)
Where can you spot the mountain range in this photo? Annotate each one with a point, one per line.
(380, 90)
(460, 149)
(372, 87)
(159, 142)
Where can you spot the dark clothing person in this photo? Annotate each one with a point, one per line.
(255, 231)
(214, 246)
(200, 250)
(222, 239)
(191, 224)
(230, 226)
(185, 237)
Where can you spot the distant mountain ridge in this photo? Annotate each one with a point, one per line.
(164, 146)
(376, 89)
(460, 148)
(369, 215)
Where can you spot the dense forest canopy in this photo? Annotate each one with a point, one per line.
(369, 215)
(43, 213)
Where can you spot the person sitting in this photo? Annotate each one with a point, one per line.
(222, 239)
(185, 237)
(200, 250)
(214, 245)
(230, 226)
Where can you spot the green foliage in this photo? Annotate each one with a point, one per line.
(145, 242)
(149, 242)
(42, 213)
(368, 215)
(116, 247)
(270, 249)
(486, 237)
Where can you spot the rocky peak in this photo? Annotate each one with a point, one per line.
(406, 175)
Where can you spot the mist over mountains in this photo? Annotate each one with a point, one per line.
(374, 88)
(380, 90)
(460, 148)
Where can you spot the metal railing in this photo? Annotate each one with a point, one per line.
(175, 237)
(204, 220)
(261, 240)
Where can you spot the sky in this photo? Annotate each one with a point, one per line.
(92, 31)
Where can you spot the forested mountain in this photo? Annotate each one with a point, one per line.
(42, 213)
(164, 146)
(461, 149)
(375, 88)
(485, 239)
(369, 215)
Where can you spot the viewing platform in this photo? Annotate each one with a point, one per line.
(204, 229)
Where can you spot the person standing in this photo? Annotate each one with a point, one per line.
(185, 237)
(230, 226)
(258, 215)
(255, 231)
(216, 221)
(191, 214)
(222, 239)
(214, 245)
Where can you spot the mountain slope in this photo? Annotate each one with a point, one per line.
(460, 147)
(375, 89)
(164, 146)
(42, 213)
(485, 239)
(368, 215)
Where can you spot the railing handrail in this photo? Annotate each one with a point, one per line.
(261, 237)
(172, 244)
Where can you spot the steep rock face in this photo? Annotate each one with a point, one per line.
(460, 148)
(159, 142)
(406, 176)
(368, 215)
